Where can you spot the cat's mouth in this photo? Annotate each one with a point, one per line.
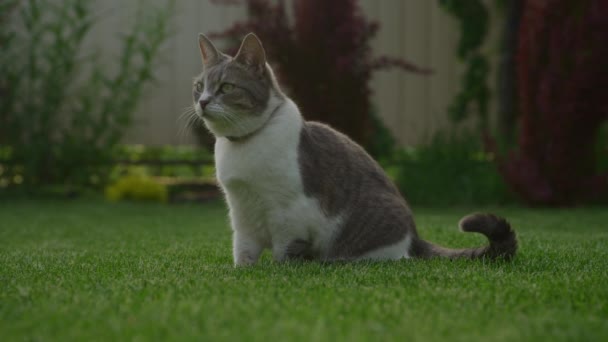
(209, 113)
(205, 114)
(216, 118)
(212, 116)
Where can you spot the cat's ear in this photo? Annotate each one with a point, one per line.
(251, 53)
(209, 52)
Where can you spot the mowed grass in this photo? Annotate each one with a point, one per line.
(90, 270)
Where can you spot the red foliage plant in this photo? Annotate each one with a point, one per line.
(323, 58)
(562, 82)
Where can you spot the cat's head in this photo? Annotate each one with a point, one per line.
(235, 96)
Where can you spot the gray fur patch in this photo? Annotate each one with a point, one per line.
(347, 181)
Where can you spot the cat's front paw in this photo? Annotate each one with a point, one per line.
(246, 250)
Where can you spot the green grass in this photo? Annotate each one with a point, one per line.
(89, 270)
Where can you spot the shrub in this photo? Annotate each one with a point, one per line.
(450, 170)
(137, 187)
(324, 58)
(181, 162)
(562, 82)
(62, 113)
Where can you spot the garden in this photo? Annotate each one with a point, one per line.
(104, 240)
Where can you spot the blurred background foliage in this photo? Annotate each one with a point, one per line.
(63, 114)
(474, 95)
(561, 79)
(453, 169)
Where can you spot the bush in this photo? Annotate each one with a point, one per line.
(138, 188)
(562, 82)
(162, 173)
(61, 113)
(450, 170)
(382, 144)
(181, 162)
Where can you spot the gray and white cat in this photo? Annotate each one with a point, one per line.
(300, 188)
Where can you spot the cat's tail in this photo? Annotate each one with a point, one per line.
(503, 242)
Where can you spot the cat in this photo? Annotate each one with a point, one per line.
(303, 189)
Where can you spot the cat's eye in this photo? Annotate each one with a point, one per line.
(199, 86)
(226, 88)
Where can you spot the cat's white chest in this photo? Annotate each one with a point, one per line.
(266, 164)
(264, 189)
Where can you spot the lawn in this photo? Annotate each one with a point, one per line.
(90, 270)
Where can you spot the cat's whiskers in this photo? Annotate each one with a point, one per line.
(185, 115)
(191, 118)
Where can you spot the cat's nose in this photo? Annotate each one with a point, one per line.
(203, 103)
